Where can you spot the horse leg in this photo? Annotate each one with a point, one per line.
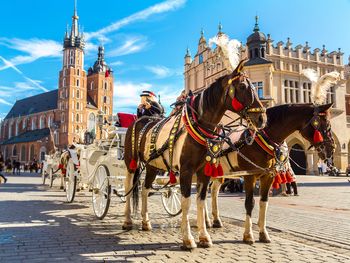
(206, 214)
(249, 182)
(151, 174)
(202, 186)
(127, 212)
(265, 184)
(215, 187)
(185, 185)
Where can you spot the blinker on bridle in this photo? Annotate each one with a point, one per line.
(236, 104)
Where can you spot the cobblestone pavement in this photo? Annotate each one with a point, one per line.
(36, 225)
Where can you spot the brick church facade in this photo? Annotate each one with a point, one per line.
(37, 124)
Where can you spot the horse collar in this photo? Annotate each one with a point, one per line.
(198, 133)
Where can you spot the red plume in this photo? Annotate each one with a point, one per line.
(207, 169)
(318, 136)
(133, 165)
(220, 170)
(172, 177)
(236, 105)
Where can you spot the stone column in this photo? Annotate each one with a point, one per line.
(310, 163)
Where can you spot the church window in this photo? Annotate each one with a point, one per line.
(104, 99)
(77, 118)
(64, 82)
(106, 86)
(263, 52)
(78, 94)
(256, 52)
(23, 153)
(16, 132)
(200, 61)
(77, 82)
(77, 105)
(260, 88)
(24, 123)
(78, 72)
(42, 122)
(33, 124)
(91, 85)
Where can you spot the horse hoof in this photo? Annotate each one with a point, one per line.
(127, 226)
(248, 239)
(188, 244)
(146, 226)
(264, 237)
(205, 242)
(217, 224)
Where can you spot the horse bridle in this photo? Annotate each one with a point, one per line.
(243, 111)
(326, 133)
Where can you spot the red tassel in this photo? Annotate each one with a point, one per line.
(236, 105)
(283, 178)
(275, 185)
(214, 170)
(220, 170)
(289, 177)
(318, 136)
(133, 164)
(172, 177)
(60, 166)
(207, 169)
(278, 178)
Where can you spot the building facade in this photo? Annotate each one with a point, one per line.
(35, 125)
(276, 72)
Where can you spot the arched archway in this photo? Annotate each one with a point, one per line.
(297, 154)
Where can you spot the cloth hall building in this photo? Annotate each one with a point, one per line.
(275, 70)
(59, 117)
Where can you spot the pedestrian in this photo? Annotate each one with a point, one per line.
(319, 166)
(2, 163)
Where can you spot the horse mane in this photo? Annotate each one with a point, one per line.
(277, 113)
(212, 95)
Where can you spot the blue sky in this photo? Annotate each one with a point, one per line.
(145, 41)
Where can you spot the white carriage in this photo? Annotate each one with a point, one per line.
(51, 169)
(100, 167)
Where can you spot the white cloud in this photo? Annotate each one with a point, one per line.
(116, 63)
(34, 48)
(131, 45)
(162, 7)
(160, 71)
(2, 101)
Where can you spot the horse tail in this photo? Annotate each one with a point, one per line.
(135, 191)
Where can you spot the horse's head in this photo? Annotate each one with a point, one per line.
(242, 98)
(317, 130)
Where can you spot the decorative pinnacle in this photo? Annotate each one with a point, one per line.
(75, 9)
(220, 27)
(188, 52)
(256, 27)
(202, 32)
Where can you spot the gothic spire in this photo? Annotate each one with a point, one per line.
(75, 17)
(256, 27)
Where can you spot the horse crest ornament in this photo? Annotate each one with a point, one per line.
(281, 156)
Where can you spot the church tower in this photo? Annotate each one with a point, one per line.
(72, 94)
(100, 87)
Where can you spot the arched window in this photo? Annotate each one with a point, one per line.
(14, 151)
(33, 124)
(16, 131)
(77, 118)
(23, 153)
(78, 94)
(77, 82)
(71, 57)
(42, 122)
(63, 83)
(31, 152)
(10, 130)
(91, 85)
(24, 123)
(263, 52)
(49, 122)
(78, 106)
(78, 72)
(106, 85)
(256, 52)
(92, 122)
(62, 117)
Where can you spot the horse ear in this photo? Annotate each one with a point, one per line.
(325, 107)
(240, 66)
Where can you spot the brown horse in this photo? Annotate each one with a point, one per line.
(311, 121)
(232, 92)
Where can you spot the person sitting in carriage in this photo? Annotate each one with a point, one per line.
(180, 101)
(149, 106)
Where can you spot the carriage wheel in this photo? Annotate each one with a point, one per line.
(171, 200)
(71, 182)
(101, 193)
(51, 177)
